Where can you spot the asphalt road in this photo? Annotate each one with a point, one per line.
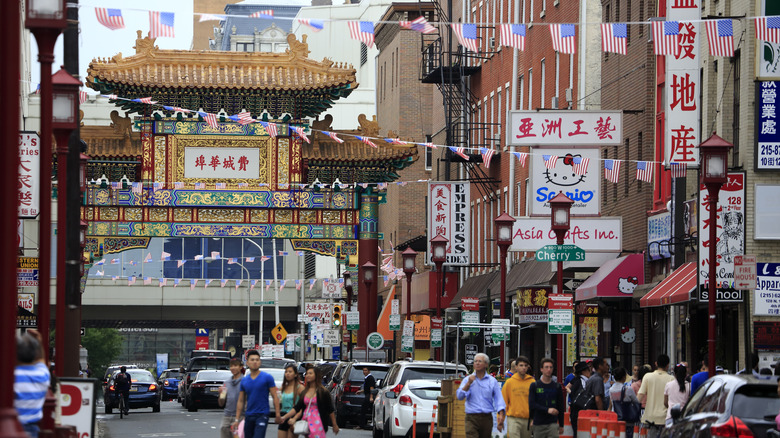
(174, 421)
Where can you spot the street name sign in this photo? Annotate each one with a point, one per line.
(560, 253)
(264, 303)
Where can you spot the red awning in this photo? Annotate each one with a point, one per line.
(675, 289)
(616, 278)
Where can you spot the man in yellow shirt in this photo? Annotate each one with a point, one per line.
(652, 391)
(515, 392)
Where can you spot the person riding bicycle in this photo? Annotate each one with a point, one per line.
(122, 382)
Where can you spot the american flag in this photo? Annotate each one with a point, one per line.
(160, 24)
(768, 28)
(180, 263)
(147, 280)
(381, 186)
(157, 186)
(145, 100)
(252, 284)
(220, 185)
(563, 38)
(165, 256)
(679, 170)
(198, 256)
(114, 261)
(311, 283)
(467, 35)
(300, 253)
(112, 96)
(178, 185)
(131, 281)
(264, 259)
(283, 253)
(215, 255)
(613, 37)
(38, 89)
(720, 36)
(430, 145)
(580, 166)
(301, 133)
(522, 156)
(137, 187)
(644, 170)
(163, 282)
(210, 118)
(200, 186)
(222, 282)
(612, 170)
(367, 141)
(270, 128)
(111, 18)
(298, 284)
(267, 284)
(487, 155)
(206, 283)
(238, 283)
(245, 118)
(549, 161)
(395, 141)
(211, 17)
(459, 152)
(193, 283)
(419, 24)
(314, 25)
(513, 35)
(333, 136)
(362, 31)
(268, 13)
(665, 35)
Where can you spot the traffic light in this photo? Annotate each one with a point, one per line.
(337, 315)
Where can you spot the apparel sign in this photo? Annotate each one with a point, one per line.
(730, 237)
(449, 215)
(565, 128)
(768, 145)
(221, 162)
(584, 190)
(682, 107)
(659, 234)
(767, 296)
(29, 174)
(590, 234)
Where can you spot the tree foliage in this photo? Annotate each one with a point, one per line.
(103, 346)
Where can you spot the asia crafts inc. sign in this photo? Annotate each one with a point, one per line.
(565, 128)
(575, 172)
(589, 234)
(449, 216)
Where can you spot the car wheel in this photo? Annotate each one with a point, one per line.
(376, 432)
(108, 408)
(156, 407)
(386, 430)
(190, 405)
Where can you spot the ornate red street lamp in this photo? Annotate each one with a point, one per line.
(65, 119)
(714, 168)
(409, 256)
(369, 274)
(560, 216)
(348, 287)
(438, 257)
(504, 225)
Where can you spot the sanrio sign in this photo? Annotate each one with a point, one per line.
(546, 181)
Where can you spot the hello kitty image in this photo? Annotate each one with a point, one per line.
(628, 335)
(627, 285)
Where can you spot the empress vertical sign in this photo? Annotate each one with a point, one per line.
(448, 215)
(682, 106)
(29, 174)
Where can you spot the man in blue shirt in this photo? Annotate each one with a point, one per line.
(483, 397)
(700, 377)
(255, 389)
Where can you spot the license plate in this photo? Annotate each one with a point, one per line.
(214, 389)
(133, 389)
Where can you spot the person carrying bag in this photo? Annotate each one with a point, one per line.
(624, 401)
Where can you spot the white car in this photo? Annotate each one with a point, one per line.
(278, 375)
(397, 395)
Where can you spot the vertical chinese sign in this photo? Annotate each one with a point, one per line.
(448, 215)
(682, 86)
(768, 145)
(29, 174)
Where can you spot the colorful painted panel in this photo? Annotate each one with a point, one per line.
(164, 229)
(190, 127)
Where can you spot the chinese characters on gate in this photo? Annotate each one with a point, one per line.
(219, 163)
(681, 133)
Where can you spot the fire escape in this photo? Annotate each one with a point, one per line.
(448, 65)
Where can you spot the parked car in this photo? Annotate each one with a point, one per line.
(728, 406)
(169, 382)
(204, 390)
(275, 363)
(346, 401)
(210, 353)
(423, 393)
(336, 376)
(199, 364)
(113, 369)
(326, 370)
(390, 388)
(144, 392)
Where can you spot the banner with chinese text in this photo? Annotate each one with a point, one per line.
(449, 215)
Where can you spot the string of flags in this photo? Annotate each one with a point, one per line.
(720, 34)
(237, 283)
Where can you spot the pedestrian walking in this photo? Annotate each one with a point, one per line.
(289, 394)
(676, 392)
(582, 373)
(483, 397)
(31, 381)
(595, 385)
(652, 391)
(369, 383)
(546, 402)
(228, 397)
(252, 403)
(624, 400)
(515, 393)
(511, 368)
(315, 407)
(635, 385)
(700, 377)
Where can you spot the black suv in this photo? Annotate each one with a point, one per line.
(346, 401)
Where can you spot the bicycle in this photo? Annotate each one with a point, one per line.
(121, 404)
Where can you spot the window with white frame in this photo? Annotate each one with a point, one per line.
(542, 79)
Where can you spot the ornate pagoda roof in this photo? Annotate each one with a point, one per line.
(279, 83)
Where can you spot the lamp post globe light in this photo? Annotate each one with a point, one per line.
(348, 286)
(504, 226)
(714, 168)
(409, 256)
(438, 257)
(560, 222)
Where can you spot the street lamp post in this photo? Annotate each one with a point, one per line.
(368, 278)
(46, 20)
(348, 287)
(262, 291)
(409, 256)
(560, 207)
(714, 167)
(438, 257)
(504, 225)
(65, 119)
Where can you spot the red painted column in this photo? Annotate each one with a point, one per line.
(368, 245)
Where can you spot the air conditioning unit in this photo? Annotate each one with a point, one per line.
(554, 102)
(569, 97)
(492, 43)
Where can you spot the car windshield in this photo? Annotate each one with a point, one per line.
(326, 369)
(173, 375)
(422, 373)
(213, 375)
(141, 376)
(756, 401)
(210, 364)
(427, 393)
(275, 363)
(356, 375)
